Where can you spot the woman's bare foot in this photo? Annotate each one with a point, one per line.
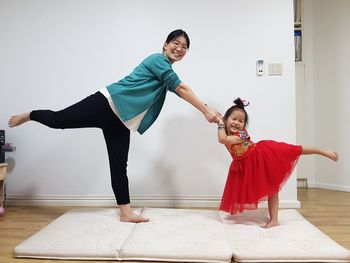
(127, 215)
(19, 119)
(133, 218)
(271, 223)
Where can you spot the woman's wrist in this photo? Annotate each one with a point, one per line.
(206, 108)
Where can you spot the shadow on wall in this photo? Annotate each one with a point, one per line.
(190, 160)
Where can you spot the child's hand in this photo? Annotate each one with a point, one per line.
(244, 135)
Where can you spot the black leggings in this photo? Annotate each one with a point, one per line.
(94, 111)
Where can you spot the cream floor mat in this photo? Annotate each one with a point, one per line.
(182, 235)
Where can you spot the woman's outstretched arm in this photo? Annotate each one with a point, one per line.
(188, 95)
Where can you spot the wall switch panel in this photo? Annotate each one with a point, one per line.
(260, 67)
(275, 69)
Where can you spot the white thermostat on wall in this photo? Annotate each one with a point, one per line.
(260, 67)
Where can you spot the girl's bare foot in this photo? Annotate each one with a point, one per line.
(331, 155)
(271, 223)
(133, 218)
(19, 119)
(326, 153)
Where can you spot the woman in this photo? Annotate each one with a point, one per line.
(133, 103)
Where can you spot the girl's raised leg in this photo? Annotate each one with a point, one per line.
(326, 153)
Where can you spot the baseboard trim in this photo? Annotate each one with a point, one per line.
(148, 201)
(343, 188)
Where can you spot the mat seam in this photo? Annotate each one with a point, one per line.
(227, 238)
(129, 236)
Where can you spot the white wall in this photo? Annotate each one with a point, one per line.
(326, 29)
(332, 93)
(305, 95)
(54, 53)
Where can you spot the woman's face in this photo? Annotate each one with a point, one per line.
(176, 49)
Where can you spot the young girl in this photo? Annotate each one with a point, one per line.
(258, 170)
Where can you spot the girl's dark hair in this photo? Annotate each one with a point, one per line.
(178, 33)
(239, 105)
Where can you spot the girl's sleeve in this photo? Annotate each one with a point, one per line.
(242, 134)
(162, 69)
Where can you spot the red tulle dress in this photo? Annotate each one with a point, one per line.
(258, 170)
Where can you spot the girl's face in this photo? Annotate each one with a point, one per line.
(235, 122)
(176, 49)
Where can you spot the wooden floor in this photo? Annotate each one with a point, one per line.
(328, 210)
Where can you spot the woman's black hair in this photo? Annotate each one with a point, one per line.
(178, 33)
(239, 105)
